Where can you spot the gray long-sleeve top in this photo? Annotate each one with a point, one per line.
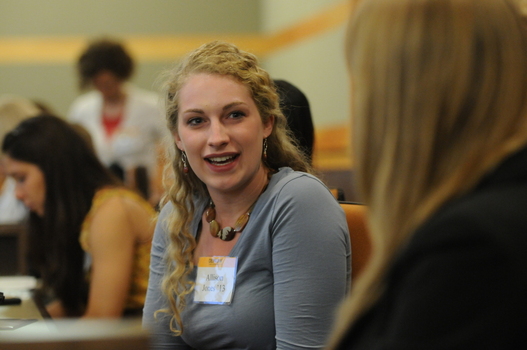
(293, 270)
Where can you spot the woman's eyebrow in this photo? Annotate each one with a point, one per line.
(233, 104)
(193, 110)
(227, 106)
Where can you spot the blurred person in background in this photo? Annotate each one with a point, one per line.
(295, 106)
(89, 237)
(124, 121)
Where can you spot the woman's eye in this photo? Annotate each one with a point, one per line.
(195, 121)
(19, 179)
(236, 115)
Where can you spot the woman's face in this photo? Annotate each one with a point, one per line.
(108, 84)
(221, 131)
(30, 183)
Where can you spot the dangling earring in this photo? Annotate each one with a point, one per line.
(184, 161)
(265, 148)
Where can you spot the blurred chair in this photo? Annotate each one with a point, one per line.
(13, 249)
(359, 236)
(141, 181)
(338, 193)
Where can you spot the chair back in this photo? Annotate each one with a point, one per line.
(13, 249)
(338, 193)
(359, 236)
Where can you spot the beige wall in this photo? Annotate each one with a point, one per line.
(40, 40)
(316, 65)
(297, 40)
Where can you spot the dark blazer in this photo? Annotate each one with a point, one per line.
(461, 282)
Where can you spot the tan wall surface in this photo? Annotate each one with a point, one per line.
(297, 40)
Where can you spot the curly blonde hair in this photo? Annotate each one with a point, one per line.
(219, 58)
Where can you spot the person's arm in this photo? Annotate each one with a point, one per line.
(158, 325)
(112, 239)
(311, 255)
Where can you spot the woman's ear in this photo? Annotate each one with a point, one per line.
(268, 127)
(177, 140)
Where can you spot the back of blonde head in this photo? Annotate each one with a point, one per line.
(438, 99)
(14, 109)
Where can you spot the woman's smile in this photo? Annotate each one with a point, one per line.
(221, 161)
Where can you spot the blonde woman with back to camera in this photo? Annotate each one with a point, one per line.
(439, 94)
(251, 251)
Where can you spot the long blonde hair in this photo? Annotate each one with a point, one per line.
(222, 59)
(439, 95)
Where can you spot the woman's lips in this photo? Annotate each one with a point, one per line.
(221, 161)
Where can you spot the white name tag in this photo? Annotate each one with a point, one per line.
(215, 280)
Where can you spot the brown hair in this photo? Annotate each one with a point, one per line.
(104, 55)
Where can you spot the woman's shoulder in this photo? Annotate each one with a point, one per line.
(289, 180)
(86, 100)
(286, 174)
(121, 206)
(109, 192)
(295, 191)
(120, 198)
(85, 108)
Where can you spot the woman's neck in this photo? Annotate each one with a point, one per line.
(114, 107)
(231, 206)
(117, 98)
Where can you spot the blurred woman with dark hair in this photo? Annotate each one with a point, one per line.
(90, 237)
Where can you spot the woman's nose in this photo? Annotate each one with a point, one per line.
(218, 134)
(19, 193)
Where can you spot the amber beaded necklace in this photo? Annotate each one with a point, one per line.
(228, 233)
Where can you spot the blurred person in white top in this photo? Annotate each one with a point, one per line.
(125, 122)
